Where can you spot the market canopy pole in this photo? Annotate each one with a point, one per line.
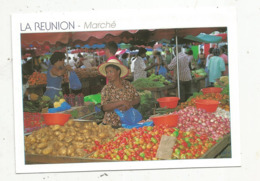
(177, 58)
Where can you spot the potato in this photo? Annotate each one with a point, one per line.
(80, 152)
(87, 126)
(70, 151)
(55, 127)
(94, 124)
(68, 139)
(47, 150)
(42, 145)
(31, 139)
(70, 122)
(77, 124)
(63, 129)
(38, 151)
(102, 135)
(30, 151)
(61, 136)
(44, 139)
(62, 151)
(72, 132)
(79, 138)
(57, 133)
(33, 146)
(78, 145)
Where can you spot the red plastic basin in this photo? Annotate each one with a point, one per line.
(168, 102)
(208, 105)
(170, 120)
(56, 118)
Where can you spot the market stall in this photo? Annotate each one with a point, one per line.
(200, 133)
(194, 132)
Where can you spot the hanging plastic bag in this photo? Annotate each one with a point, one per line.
(199, 61)
(129, 117)
(96, 98)
(75, 83)
(162, 71)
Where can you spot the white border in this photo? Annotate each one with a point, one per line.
(132, 19)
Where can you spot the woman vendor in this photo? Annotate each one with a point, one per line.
(118, 93)
(54, 75)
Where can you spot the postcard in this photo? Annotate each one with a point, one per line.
(81, 39)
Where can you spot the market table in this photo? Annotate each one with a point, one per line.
(162, 91)
(198, 83)
(45, 159)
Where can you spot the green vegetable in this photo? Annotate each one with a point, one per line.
(153, 140)
(142, 154)
(147, 83)
(177, 151)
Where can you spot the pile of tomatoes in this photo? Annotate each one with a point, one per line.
(143, 143)
(37, 78)
(190, 145)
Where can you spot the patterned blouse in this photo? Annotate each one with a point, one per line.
(110, 94)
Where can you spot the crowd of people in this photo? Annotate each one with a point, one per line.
(119, 93)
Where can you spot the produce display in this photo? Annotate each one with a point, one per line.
(190, 145)
(37, 78)
(68, 140)
(159, 78)
(222, 98)
(223, 81)
(74, 100)
(87, 72)
(32, 121)
(197, 130)
(147, 103)
(203, 123)
(142, 144)
(198, 73)
(146, 83)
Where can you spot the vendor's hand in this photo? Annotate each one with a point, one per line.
(125, 105)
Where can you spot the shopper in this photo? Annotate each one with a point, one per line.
(206, 67)
(184, 73)
(216, 67)
(160, 68)
(54, 75)
(118, 93)
(139, 67)
(225, 58)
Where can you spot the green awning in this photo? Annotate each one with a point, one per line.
(204, 38)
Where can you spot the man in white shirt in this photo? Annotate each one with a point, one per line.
(138, 65)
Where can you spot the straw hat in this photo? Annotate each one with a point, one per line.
(102, 67)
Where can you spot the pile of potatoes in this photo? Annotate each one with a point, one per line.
(68, 140)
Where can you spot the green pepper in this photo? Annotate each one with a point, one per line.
(187, 139)
(149, 128)
(176, 133)
(189, 144)
(177, 151)
(183, 156)
(118, 157)
(153, 140)
(142, 154)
